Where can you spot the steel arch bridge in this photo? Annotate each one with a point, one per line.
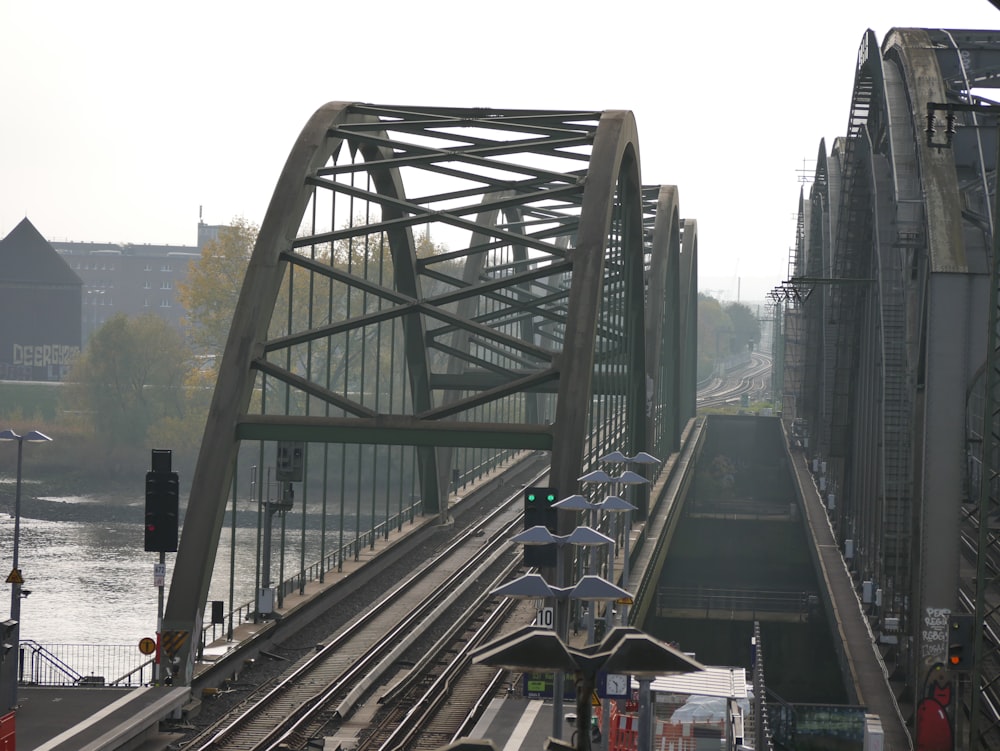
(432, 290)
(886, 327)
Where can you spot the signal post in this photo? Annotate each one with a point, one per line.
(160, 533)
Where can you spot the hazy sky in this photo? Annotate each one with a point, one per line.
(118, 119)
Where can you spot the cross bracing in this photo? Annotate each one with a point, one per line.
(433, 290)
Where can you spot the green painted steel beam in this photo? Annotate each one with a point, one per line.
(394, 430)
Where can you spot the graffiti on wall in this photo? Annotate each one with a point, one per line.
(934, 716)
(42, 355)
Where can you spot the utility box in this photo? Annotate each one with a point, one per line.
(265, 600)
(874, 735)
(290, 460)
(867, 592)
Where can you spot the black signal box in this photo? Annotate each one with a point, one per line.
(538, 512)
(961, 652)
(162, 506)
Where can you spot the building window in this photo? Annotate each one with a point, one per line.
(147, 284)
(148, 267)
(166, 284)
(166, 267)
(164, 303)
(145, 302)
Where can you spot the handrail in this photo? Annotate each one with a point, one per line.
(332, 560)
(48, 658)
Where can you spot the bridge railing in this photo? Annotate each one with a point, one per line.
(761, 720)
(350, 550)
(708, 600)
(90, 665)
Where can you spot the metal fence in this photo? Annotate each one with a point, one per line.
(708, 600)
(114, 665)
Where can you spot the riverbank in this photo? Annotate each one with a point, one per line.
(72, 502)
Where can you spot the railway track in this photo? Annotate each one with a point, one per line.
(438, 602)
(751, 380)
(432, 708)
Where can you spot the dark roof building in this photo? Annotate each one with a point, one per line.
(100, 279)
(40, 308)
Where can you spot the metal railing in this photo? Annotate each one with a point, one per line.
(90, 665)
(350, 550)
(706, 599)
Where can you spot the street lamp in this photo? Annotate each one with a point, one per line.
(539, 535)
(11, 658)
(613, 505)
(627, 478)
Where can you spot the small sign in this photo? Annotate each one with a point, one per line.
(536, 686)
(546, 617)
(542, 685)
(172, 641)
(595, 700)
(147, 646)
(159, 574)
(624, 601)
(14, 577)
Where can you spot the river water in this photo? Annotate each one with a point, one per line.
(91, 582)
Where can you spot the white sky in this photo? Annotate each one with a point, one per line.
(118, 119)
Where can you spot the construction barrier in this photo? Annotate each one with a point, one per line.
(667, 736)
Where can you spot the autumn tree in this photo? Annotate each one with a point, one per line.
(213, 286)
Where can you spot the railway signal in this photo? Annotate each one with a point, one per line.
(162, 505)
(961, 654)
(538, 512)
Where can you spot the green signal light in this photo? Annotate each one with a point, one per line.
(550, 497)
(531, 497)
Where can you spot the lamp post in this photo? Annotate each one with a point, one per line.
(629, 478)
(540, 535)
(11, 657)
(613, 505)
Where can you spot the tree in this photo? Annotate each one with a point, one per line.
(746, 326)
(130, 376)
(213, 286)
(714, 329)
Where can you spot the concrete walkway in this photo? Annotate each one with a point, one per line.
(864, 663)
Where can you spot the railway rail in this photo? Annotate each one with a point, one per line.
(751, 380)
(431, 708)
(442, 598)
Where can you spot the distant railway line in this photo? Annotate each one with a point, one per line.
(752, 380)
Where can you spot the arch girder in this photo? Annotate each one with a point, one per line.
(534, 288)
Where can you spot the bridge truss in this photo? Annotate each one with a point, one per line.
(433, 290)
(893, 271)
